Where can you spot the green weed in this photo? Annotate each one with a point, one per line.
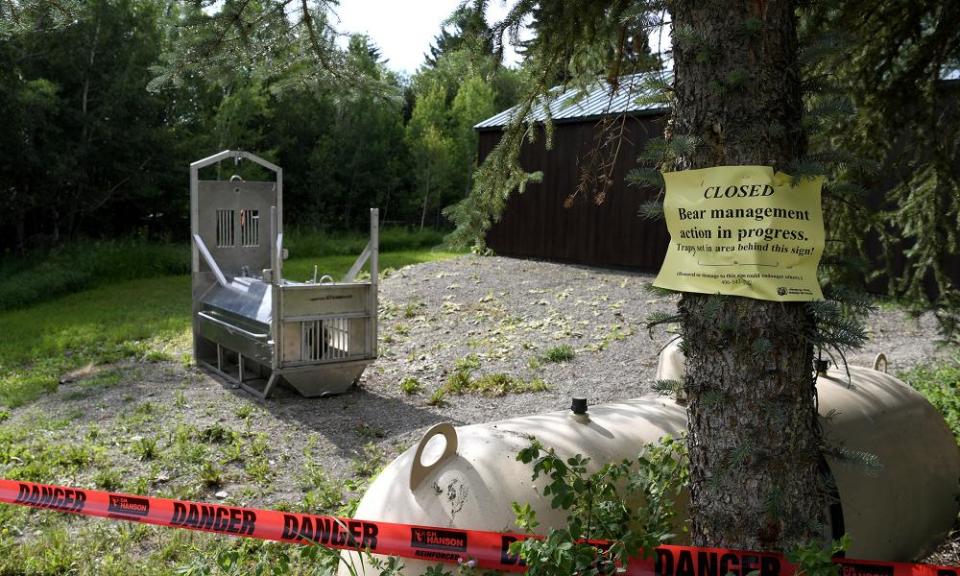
(410, 385)
(244, 411)
(410, 309)
(145, 448)
(437, 398)
(458, 382)
(369, 431)
(467, 363)
(259, 445)
(211, 475)
(109, 480)
(562, 353)
(260, 470)
(462, 381)
(369, 462)
(216, 434)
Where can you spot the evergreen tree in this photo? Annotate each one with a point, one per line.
(754, 438)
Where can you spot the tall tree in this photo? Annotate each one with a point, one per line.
(753, 438)
(753, 434)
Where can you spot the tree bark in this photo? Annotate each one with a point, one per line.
(753, 436)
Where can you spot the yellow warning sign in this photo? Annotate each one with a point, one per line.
(743, 231)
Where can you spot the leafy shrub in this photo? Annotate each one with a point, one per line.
(628, 503)
(941, 386)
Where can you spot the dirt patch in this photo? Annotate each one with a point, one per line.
(479, 316)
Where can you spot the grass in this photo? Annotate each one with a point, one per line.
(940, 384)
(99, 326)
(160, 457)
(301, 269)
(557, 354)
(43, 276)
(319, 243)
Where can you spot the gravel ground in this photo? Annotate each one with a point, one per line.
(506, 313)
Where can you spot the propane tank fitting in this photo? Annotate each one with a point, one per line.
(578, 410)
(578, 406)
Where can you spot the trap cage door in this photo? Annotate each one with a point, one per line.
(234, 219)
(237, 231)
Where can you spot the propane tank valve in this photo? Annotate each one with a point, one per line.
(578, 406)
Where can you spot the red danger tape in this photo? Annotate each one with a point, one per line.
(483, 549)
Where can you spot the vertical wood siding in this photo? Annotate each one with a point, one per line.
(536, 224)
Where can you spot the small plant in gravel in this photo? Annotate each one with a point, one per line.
(370, 461)
(260, 470)
(216, 434)
(616, 333)
(468, 363)
(259, 445)
(557, 354)
(369, 431)
(211, 475)
(244, 411)
(437, 398)
(458, 382)
(233, 452)
(109, 480)
(410, 309)
(491, 385)
(402, 329)
(155, 355)
(145, 448)
(410, 385)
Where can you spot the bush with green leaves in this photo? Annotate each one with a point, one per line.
(940, 384)
(629, 503)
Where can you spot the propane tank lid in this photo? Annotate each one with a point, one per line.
(579, 405)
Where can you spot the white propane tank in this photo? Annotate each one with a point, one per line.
(468, 477)
(472, 481)
(908, 507)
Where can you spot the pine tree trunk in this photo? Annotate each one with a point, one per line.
(753, 436)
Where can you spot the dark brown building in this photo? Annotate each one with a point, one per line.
(540, 223)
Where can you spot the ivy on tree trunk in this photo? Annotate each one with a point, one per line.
(753, 435)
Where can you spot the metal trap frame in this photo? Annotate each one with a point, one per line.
(250, 325)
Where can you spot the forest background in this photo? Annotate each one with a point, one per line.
(105, 107)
